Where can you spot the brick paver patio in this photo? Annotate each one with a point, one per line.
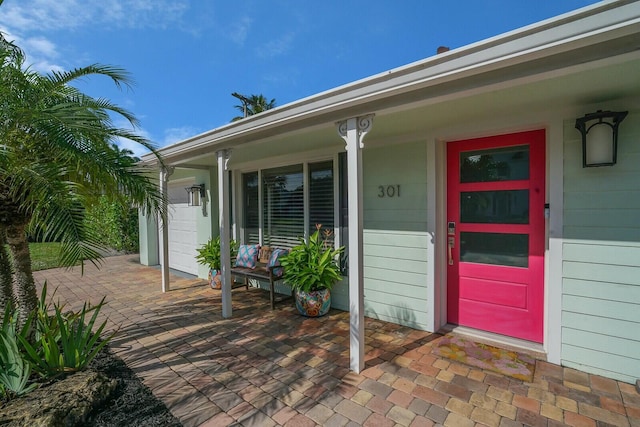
(265, 368)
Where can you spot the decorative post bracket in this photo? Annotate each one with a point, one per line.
(364, 125)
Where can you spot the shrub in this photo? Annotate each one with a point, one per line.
(14, 368)
(116, 224)
(63, 342)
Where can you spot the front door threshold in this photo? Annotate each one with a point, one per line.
(533, 349)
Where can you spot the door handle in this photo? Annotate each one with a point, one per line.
(451, 242)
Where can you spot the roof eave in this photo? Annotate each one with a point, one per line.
(534, 42)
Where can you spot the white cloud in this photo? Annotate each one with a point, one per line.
(239, 30)
(30, 22)
(173, 135)
(43, 15)
(277, 47)
(40, 46)
(137, 149)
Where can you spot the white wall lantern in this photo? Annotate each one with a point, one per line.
(196, 196)
(600, 137)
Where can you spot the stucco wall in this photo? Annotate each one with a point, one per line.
(206, 225)
(601, 258)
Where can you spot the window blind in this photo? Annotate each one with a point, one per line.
(251, 209)
(283, 206)
(321, 204)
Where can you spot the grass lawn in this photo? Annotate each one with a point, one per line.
(44, 255)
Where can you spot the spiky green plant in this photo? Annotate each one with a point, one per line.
(63, 342)
(15, 371)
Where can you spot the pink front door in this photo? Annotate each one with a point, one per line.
(495, 234)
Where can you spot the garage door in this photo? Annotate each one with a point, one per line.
(182, 230)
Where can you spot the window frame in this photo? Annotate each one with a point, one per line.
(238, 208)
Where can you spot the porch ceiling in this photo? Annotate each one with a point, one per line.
(567, 90)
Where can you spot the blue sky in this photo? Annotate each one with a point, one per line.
(188, 56)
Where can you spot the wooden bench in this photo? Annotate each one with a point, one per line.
(261, 272)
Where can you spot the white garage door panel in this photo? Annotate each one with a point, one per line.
(183, 238)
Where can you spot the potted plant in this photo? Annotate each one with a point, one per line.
(311, 269)
(209, 255)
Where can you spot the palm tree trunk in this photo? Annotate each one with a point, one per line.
(6, 280)
(25, 287)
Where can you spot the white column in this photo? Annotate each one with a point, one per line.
(163, 228)
(353, 131)
(224, 223)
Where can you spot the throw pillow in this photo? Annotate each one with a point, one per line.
(247, 256)
(274, 261)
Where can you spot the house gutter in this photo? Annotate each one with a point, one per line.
(585, 27)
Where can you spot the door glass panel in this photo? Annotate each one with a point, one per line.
(492, 207)
(495, 248)
(496, 164)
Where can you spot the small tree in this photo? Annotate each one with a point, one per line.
(57, 158)
(251, 105)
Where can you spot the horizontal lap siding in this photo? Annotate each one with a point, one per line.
(601, 259)
(395, 238)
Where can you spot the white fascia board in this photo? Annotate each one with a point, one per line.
(587, 26)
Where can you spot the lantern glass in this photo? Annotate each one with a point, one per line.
(599, 149)
(195, 195)
(599, 132)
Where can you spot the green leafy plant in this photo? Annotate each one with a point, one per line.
(63, 342)
(14, 368)
(209, 253)
(115, 223)
(79, 342)
(312, 265)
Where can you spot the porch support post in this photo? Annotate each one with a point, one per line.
(225, 224)
(353, 131)
(163, 228)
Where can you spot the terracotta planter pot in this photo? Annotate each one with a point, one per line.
(215, 279)
(313, 304)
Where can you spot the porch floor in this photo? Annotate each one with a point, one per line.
(264, 368)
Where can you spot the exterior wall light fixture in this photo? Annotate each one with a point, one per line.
(196, 195)
(600, 137)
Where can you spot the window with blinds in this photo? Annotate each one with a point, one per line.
(321, 206)
(282, 206)
(251, 208)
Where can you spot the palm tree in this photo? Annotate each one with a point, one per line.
(251, 105)
(56, 158)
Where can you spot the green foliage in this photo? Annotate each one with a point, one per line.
(57, 157)
(252, 104)
(14, 369)
(63, 342)
(115, 223)
(312, 265)
(209, 253)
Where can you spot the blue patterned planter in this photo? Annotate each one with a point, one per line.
(215, 279)
(313, 304)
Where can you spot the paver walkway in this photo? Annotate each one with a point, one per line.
(264, 368)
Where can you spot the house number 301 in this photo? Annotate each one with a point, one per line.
(389, 190)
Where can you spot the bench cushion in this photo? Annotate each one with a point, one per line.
(247, 256)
